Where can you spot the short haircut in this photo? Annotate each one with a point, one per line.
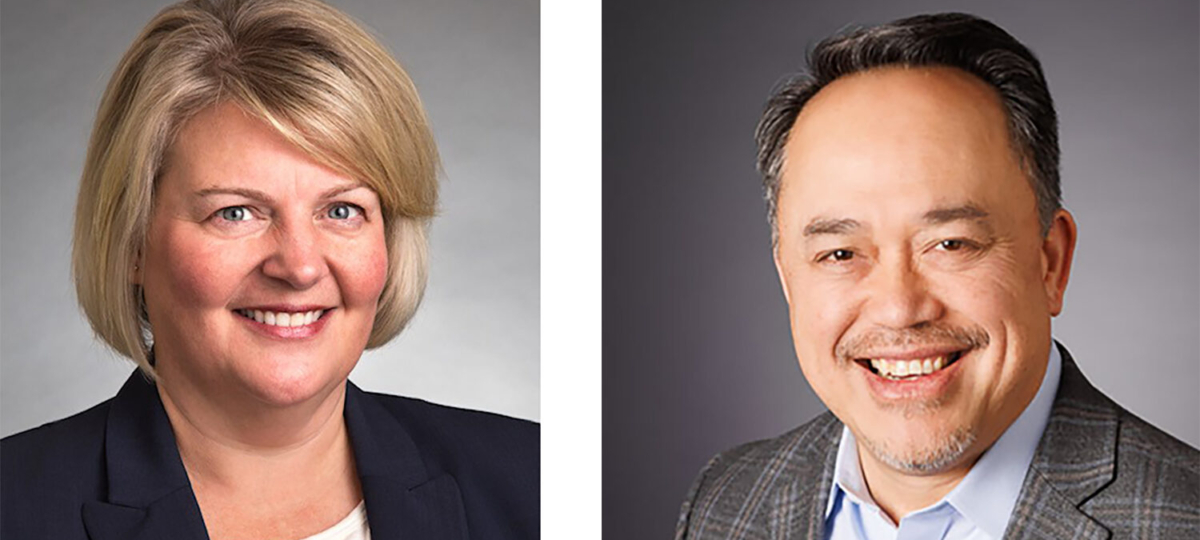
(300, 66)
(957, 40)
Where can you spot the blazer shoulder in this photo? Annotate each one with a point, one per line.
(797, 448)
(736, 483)
(48, 471)
(1150, 458)
(469, 443)
(1141, 438)
(457, 425)
(55, 445)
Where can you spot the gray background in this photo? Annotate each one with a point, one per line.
(474, 342)
(697, 350)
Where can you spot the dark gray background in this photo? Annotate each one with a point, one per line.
(697, 349)
(474, 342)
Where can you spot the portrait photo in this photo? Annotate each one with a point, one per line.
(248, 219)
(796, 221)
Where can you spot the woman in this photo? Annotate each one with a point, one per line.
(252, 216)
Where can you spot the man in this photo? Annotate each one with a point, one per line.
(913, 193)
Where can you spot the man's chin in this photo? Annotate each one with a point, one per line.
(926, 456)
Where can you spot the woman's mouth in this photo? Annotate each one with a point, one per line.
(282, 318)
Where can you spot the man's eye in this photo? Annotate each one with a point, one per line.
(234, 213)
(344, 211)
(954, 244)
(838, 255)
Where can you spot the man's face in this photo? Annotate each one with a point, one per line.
(909, 238)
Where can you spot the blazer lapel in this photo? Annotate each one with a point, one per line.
(149, 495)
(403, 499)
(1074, 459)
(808, 494)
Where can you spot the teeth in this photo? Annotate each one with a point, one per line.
(895, 369)
(282, 318)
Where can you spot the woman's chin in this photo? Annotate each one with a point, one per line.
(283, 386)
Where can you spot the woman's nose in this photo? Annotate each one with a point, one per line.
(296, 257)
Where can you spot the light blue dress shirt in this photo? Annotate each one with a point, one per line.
(976, 509)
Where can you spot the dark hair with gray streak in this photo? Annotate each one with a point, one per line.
(956, 40)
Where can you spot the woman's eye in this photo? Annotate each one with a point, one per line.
(234, 213)
(344, 211)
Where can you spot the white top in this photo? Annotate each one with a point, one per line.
(351, 527)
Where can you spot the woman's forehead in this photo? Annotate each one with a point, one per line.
(224, 146)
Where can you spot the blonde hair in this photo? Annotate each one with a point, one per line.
(302, 67)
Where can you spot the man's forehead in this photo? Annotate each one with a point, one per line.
(925, 110)
(898, 144)
(967, 212)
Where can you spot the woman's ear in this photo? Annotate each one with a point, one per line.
(135, 276)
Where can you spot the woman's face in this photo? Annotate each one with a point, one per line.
(262, 269)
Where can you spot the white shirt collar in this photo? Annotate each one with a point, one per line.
(987, 495)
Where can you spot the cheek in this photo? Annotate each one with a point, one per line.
(195, 271)
(367, 272)
(821, 312)
(821, 309)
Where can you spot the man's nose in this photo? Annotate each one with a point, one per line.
(899, 296)
(296, 256)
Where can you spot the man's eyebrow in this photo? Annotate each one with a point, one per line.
(967, 211)
(830, 226)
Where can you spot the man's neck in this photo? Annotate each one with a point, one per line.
(899, 494)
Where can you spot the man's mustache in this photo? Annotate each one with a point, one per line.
(933, 335)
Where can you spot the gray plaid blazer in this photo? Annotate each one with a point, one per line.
(1099, 472)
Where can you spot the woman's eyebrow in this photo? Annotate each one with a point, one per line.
(262, 196)
(244, 192)
(338, 190)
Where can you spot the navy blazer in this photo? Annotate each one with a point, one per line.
(113, 472)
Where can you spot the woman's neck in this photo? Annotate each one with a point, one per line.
(264, 470)
(231, 443)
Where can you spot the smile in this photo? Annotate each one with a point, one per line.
(912, 376)
(282, 318)
(910, 369)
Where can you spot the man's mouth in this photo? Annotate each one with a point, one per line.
(909, 369)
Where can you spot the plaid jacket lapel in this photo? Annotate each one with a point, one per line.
(813, 497)
(1075, 459)
(777, 488)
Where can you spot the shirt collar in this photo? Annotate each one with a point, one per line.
(987, 494)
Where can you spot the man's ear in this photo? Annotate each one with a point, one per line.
(1058, 248)
(787, 294)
